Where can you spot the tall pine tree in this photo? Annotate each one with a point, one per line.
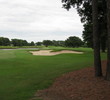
(108, 53)
(96, 40)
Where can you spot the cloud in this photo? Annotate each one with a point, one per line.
(37, 20)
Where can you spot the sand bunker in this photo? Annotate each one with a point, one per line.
(49, 53)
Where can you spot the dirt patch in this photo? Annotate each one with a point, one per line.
(77, 85)
(49, 53)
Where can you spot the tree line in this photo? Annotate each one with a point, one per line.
(14, 42)
(72, 41)
(95, 14)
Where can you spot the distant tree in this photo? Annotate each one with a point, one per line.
(16, 42)
(19, 42)
(32, 44)
(24, 43)
(39, 43)
(1, 41)
(58, 43)
(47, 43)
(61, 43)
(4, 41)
(73, 41)
(55, 43)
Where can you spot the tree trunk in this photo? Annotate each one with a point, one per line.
(108, 52)
(96, 40)
(103, 44)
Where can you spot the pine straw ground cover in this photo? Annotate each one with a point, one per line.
(77, 85)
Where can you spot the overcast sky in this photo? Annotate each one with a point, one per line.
(37, 20)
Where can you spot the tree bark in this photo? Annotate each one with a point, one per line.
(108, 52)
(96, 40)
(103, 44)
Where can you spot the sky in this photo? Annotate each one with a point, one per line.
(37, 20)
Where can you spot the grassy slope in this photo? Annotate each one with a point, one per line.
(21, 73)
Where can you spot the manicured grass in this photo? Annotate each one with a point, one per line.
(7, 47)
(22, 74)
(81, 49)
(15, 47)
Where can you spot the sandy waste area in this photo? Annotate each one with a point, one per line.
(49, 53)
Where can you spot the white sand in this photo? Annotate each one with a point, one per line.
(49, 53)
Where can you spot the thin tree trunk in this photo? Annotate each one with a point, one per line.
(103, 44)
(96, 40)
(108, 52)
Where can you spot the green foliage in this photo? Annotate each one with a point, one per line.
(19, 42)
(87, 35)
(4, 41)
(73, 41)
(58, 43)
(14, 42)
(39, 43)
(47, 43)
(51, 43)
(84, 9)
(32, 44)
